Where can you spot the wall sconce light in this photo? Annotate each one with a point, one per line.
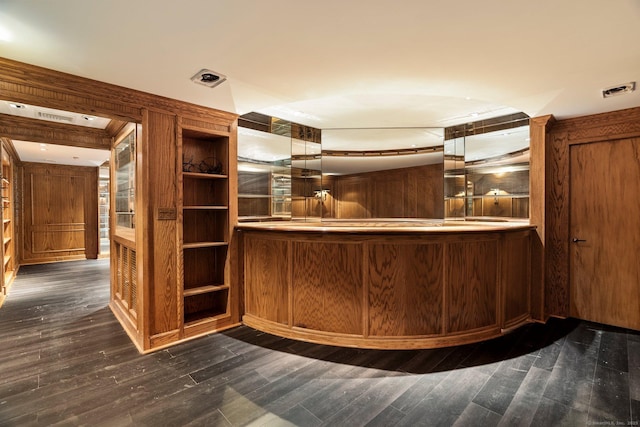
(321, 195)
(495, 192)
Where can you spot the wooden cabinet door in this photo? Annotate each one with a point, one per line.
(605, 232)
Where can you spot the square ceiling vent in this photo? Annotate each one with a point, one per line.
(619, 89)
(208, 78)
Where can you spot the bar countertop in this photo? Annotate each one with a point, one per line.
(388, 226)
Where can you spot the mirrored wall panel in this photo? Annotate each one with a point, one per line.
(288, 171)
(264, 175)
(279, 170)
(382, 173)
(306, 174)
(487, 169)
(497, 174)
(454, 179)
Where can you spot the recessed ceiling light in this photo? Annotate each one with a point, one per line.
(43, 149)
(18, 106)
(88, 118)
(208, 78)
(474, 114)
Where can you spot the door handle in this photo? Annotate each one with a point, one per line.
(576, 240)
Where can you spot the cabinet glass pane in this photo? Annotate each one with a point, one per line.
(125, 170)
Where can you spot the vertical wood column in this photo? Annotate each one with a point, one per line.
(556, 280)
(538, 127)
(160, 216)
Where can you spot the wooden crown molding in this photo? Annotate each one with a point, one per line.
(597, 127)
(26, 129)
(114, 127)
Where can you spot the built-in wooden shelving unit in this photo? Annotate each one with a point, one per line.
(8, 245)
(206, 229)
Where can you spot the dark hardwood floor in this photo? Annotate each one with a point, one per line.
(64, 360)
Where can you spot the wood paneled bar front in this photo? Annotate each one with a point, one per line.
(386, 285)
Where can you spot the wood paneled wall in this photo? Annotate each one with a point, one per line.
(156, 236)
(416, 192)
(557, 141)
(60, 213)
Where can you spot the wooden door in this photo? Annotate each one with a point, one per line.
(60, 213)
(605, 213)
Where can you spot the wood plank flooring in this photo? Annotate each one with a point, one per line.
(64, 360)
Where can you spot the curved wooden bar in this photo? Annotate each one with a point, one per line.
(386, 285)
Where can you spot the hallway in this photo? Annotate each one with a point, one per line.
(65, 359)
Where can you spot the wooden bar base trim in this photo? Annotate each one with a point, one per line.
(172, 338)
(126, 323)
(164, 339)
(403, 290)
(376, 343)
(207, 326)
(516, 323)
(8, 281)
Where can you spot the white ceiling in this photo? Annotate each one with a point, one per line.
(52, 153)
(333, 63)
(345, 64)
(59, 154)
(52, 115)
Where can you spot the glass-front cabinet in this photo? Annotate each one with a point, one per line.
(121, 202)
(281, 193)
(124, 166)
(103, 208)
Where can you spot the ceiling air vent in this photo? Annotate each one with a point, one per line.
(619, 89)
(54, 117)
(208, 78)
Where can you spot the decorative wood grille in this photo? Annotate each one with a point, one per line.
(126, 282)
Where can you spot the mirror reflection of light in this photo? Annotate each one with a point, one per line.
(5, 34)
(246, 168)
